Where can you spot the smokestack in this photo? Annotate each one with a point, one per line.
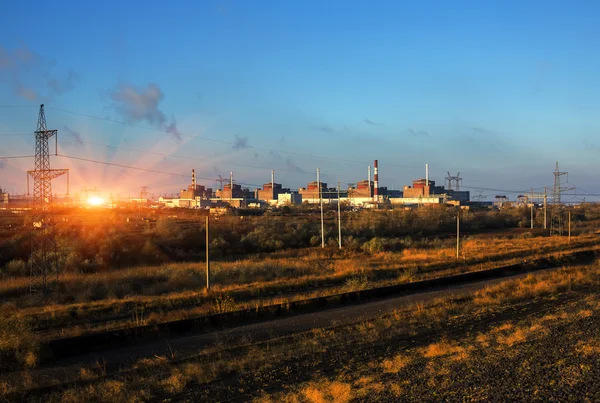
(194, 180)
(426, 174)
(376, 180)
(369, 178)
(273, 184)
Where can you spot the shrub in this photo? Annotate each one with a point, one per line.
(224, 303)
(186, 279)
(373, 246)
(17, 267)
(356, 283)
(18, 345)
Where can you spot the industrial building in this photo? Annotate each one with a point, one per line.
(195, 196)
(367, 194)
(422, 188)
(289, 199)
(312, 194)
(233, 191)
(3, 197)
(424, 191)
(271, 191)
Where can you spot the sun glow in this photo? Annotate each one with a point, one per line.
(95, 201)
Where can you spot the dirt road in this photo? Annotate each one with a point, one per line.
(190, 345)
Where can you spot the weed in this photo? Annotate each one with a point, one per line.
(224, 303)
(395, 364)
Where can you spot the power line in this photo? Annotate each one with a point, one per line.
(496, 190)
(178, 156)
(207, 138)
(158, 130)
(143, 169)
(15, 134)
(122, 165)
(271, 150)
(16, 156)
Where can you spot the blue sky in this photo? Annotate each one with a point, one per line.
(499, 91)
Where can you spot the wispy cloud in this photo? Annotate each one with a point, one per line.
(324, 129)
(370, 122)
(289, 162)
(31, 76)
(292, 166)
(138, 104)
(240, 143)
(75, 135)
(591, 146)
(482, 130)
(418, 133)
(60, 87)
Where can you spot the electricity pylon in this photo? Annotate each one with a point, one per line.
(43, 262)
(556, 213)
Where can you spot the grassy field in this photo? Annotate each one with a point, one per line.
(150, 294)
(533, 338)
(108, 284)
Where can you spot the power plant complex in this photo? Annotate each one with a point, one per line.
(365, 193)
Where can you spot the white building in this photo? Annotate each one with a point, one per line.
(288, 199)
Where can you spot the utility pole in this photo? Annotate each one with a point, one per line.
(321, 202)
(458, 234)
(44, 270)
(569, 226)
(556, 214)
(231, 187)
(207, 259)
(532, 203)
(339, 217)
(531, 215)
(545, 208)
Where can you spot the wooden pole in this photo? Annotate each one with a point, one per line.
(458, 234)
(531, 215)
(321, 202)
(569, 226)
(339, 217)
(545, 209)
(207, 259)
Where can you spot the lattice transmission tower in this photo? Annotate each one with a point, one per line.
(43, 262)
(556, 213)
(457, 180)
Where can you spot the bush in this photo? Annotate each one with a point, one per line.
(186, 279)
(356, 283)
(16, 267)
(18, 345)
(373, 246)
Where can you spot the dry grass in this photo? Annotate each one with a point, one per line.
(436, 359)
(590, 347)
(447, 349)
(395, 364)
(536, 285)
(151, 294)
(322, 392)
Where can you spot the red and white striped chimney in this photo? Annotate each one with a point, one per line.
(376, 180)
